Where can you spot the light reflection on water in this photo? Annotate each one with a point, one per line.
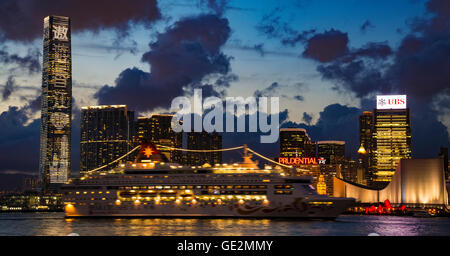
(54, 224)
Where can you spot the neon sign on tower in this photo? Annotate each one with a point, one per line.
(391, 101)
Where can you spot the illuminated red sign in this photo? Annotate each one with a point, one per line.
(300, 160)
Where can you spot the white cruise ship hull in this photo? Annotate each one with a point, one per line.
(295, 209)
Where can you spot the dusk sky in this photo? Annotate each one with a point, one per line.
(326, 60)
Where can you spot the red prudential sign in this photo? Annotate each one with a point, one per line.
(301, 160)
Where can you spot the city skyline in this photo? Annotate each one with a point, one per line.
(323, 123)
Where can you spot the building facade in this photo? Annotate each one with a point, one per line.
(332, 150)
(157, 129)
(366, 142)
(392, 141)
(410, 186)
(203, 141)
(295, 142)
(56, 103)
(106, 134)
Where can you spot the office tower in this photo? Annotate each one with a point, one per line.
(157, 129)
(295, 142)
(203, 141)
(56, 103)
(366, 142)
(106, 134)
(333, 151)
(391, 135)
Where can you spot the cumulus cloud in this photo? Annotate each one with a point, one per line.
(29, 63)
(327, 46)
(180, 58)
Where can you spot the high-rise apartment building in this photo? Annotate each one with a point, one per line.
(203, 141)
(106, 134)
(56, 103)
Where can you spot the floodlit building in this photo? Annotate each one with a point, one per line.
(56, 103)
(416, 183)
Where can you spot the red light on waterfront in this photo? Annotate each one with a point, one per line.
(387, 203)
(297, 160)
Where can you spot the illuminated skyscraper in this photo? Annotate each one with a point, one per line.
(106, 134)
(366, 142)
(332, 150)
(157, 129)
(392, 136)
(295, 142)
(56, 105)
(203, 141)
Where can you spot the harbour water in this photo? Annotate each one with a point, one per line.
(54, 224)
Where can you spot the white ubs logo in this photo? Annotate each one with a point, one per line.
(60, 32)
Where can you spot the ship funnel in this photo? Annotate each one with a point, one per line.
(149, 153)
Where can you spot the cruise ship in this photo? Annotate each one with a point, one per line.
(152, 187)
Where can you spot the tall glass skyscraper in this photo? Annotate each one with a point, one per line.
(56, 105)
(392, 137)
(366, 143)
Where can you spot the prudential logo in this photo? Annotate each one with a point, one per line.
(209, 115)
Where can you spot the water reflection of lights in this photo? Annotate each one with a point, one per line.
(56, 224)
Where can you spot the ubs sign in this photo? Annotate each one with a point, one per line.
(391, 101)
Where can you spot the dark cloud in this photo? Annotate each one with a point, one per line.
(297, 37)
(19, 141)
(327, 46)
(29, 63)
(22, 20)
(269, 91)
(307, 118)
(419, 67)
(180, 58)
(366, 25)
(259, 48)
(273, 26)
(10, 86)
(217, 6)
(299, 98)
